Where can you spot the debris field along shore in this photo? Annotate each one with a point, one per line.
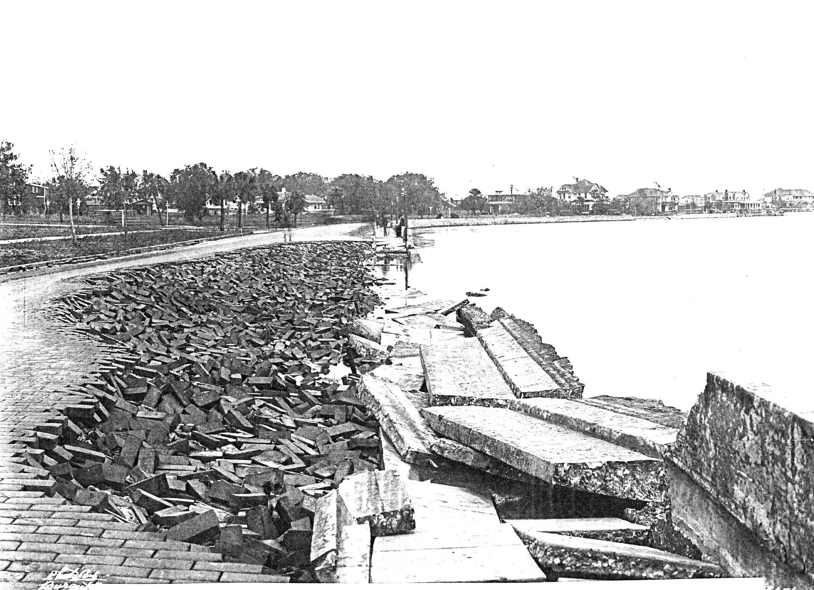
(266, 405)
(220, 422)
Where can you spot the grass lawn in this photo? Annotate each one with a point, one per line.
(28, 252)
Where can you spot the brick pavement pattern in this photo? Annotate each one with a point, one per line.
(43, 365)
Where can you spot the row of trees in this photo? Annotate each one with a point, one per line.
(192, 188)
(537, 201)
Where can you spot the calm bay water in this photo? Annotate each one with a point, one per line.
(645, 308)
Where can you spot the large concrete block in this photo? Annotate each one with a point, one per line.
(550, 452)
(752, 451)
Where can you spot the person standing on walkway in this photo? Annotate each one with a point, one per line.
(398, 229)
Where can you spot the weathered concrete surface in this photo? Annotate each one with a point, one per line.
(551, 453)
(339, 554)
(525, 377)
(469, 552)
(723, 539)
(473, 318)
(419, 308)
(577, 557)
(752, 451)
(652, 410)
(627, 431)
(459, 372)
(441, 504)
(378, 498)
(324, 538)
(455, 451)
(353, 554)
(603, 529)
(399, 419)
(557, 367)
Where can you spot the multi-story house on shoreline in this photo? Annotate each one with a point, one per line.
(790, 197)
(728, 201)
(501, 202)
(582, 194)
(656, 200)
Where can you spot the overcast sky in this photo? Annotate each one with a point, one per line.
(695, 96)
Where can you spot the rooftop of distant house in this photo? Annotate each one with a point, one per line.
(582, 185)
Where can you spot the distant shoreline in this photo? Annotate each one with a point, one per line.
(522, 220)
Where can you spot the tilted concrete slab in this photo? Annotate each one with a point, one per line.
(459, 372)
(398, 414)
(436, 503)
(469, 552)
(551, 453)
(525, 377)
(751, 451)
(426, 307)
(624, 430)
(399, 419)
(603, 529)
(557, 367)
(578, 557)
(723, 538)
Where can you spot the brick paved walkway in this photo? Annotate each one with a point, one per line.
(43, 363)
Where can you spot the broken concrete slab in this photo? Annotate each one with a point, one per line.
(368, 329)
(448, 505)
(353, 554)
(723, 538)
(749, 450)
(558, 368)
(578, 557)
(603, 529)
(467, 553)
(525, 377)
(399, 419)
(461, 373)
(637, 434)
(378, 498)
(455, 451)
(324, 539)
(419, 308)
(551, 453)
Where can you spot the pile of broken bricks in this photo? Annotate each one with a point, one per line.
(218, 422)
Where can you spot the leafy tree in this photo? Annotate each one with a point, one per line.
(245, 188)
(13, 179)
(601, 207)
(294, 205)
(642, 206)
(111, 189)
(155, 188)
(118, 190)
(267, 187)
(355, 194)
(417, 194)
(223, 192)
(307, 183)
(475, 201)
(69, 185)
(192, 186)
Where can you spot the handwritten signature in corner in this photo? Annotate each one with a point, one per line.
(69, 579)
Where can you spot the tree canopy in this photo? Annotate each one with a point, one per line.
(307, 183)
(192, 186)
(13, 179)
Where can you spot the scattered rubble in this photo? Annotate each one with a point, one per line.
(219, 423)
